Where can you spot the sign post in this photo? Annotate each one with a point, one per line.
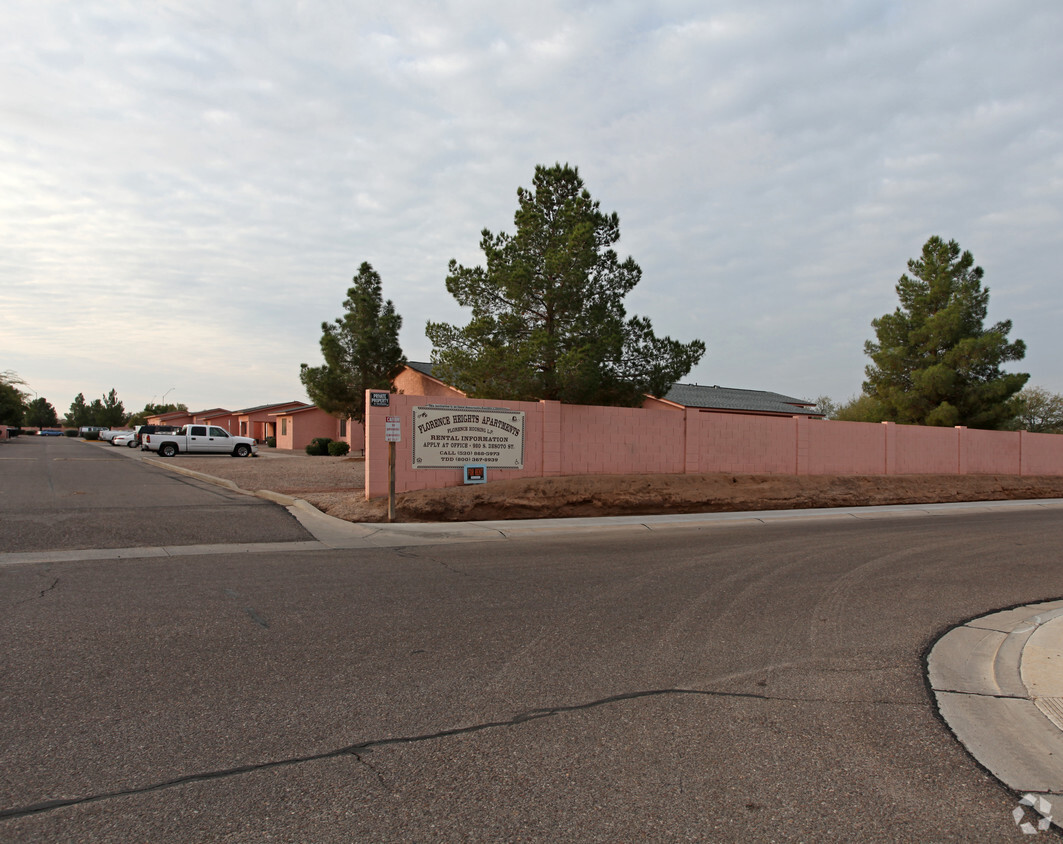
(392, 434)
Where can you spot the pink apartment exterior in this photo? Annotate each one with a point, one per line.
(297, 426)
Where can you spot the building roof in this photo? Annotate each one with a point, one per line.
(731, 399)
(268, 406)
(302, 407)
(420, 366)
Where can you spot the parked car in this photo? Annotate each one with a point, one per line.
(200, 439)
(109, 435)
(128, 439)
(154, 429)
(50, 432)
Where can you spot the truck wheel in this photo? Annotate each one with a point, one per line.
(167, 450)
(242, 450)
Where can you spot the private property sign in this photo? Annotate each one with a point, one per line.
(446, 437)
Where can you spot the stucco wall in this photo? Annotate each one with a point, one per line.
(260, 423)
(305, 426)
(414, 383)
(574, 440)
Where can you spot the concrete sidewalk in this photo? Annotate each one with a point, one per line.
(998, 681)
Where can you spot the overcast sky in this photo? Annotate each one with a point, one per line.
(188, 188)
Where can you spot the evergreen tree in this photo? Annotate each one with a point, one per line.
(111, 412)
(41, 414)
(141, 417)
(548, 320)
(361, 351)
(80, 413)
(12, 399)
(934, 363)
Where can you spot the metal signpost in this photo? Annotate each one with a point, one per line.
(392, 435)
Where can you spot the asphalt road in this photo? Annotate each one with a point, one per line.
(58, 493)
(746, 682)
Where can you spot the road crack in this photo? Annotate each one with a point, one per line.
(359, 750)
(42, 592)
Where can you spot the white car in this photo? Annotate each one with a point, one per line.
(129, 439)
(108, 436)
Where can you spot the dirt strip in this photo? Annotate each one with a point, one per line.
(335, 485)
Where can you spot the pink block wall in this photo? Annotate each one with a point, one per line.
(574, 440)
(1042, 454)
(733, 442)
(926, 451)
(595, 440)
(991, 452)
(846, 448)
(407, 478)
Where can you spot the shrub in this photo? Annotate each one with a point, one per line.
(318, 446)
(338, 449)
(271, 442)
(70, 432)
(92, 435)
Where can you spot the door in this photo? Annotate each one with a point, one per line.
(197, 438)
(220, 441)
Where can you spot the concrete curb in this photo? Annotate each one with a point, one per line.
(999, 686)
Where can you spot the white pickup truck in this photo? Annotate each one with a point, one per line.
(199, 439)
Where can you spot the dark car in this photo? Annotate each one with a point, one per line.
(155, 429)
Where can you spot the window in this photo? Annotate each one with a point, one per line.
(218, 432)
(343, 427)
(284, 426)
(198, 431)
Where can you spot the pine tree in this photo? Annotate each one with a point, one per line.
(361, 350)
(934, 363)
(548, 320)
(41, 414)
(80, 413)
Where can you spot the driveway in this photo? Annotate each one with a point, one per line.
(59, 493)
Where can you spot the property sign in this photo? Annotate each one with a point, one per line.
(451, 437)
(392, 429)
(380, 399)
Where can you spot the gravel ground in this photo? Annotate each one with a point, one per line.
(288, 472)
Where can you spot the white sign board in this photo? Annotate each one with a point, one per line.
(392, 429)
(451, 437)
